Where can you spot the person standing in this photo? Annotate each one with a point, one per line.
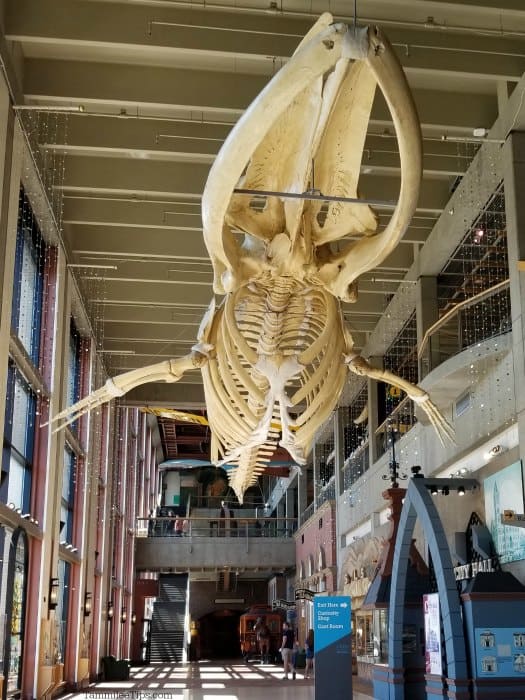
(185, 526)
(224, 520)
(287, 649)
(151, 524)
(309, 653)
(178, 526)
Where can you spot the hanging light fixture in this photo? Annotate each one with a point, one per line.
(54, 590)
(111, 610)
(123, 615)
(87, 604)
(133, 618)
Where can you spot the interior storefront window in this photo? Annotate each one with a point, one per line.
(364, 644)
(380, 634)
(16, 637)
(371, 635)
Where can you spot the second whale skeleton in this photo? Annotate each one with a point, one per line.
(274, 354)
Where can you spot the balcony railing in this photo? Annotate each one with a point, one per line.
(398, 422)
(356, 465)
(214, 526)
(326, 493)
(483, 316)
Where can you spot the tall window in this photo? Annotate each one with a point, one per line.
(73, 369)
(64, 576)
(68, 496)
(18, 440)
(26, 316)
(26, 325)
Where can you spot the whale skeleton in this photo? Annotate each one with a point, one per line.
(275, 353)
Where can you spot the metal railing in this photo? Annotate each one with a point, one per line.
(356, 465)
(214, 526)
(397, 423)
(326, 493)
(211, 502)
(460, 327)
(451, 334)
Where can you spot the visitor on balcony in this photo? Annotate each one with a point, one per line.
(178, 526)
(224, 520)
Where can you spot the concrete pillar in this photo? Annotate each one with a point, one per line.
(339, 448)
(290, 504)
(281, 514)
(427, 313)
(503, 91)
(514, 179)
(10, 169)
(302, 494)
(315, 472)
(373, 411)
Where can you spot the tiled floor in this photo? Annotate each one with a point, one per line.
(205, 680)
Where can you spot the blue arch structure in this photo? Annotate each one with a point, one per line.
(419, 504)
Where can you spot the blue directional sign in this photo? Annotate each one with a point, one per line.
(333, 649)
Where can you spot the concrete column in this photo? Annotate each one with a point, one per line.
(514, 179)
(302, 482)
(281, 513)
(427, 313)
(339, 448)
(290, 498)
(10, 169)
(503, 90)
(373, 411)
(315, 472)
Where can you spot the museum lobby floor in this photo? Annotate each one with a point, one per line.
(205, 680)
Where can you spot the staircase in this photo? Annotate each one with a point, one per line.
(167, 622)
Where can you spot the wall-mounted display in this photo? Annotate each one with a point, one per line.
(433, 654)
(504, 491)
(500, 652)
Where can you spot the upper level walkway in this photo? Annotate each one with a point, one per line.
(211, 543)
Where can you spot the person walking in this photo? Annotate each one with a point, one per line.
(263, 640)
(287, 649)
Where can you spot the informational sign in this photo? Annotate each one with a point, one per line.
(433, 656)
(282, 604)
(500, 652)
(333, 649)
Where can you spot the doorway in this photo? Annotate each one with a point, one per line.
(219, 635)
